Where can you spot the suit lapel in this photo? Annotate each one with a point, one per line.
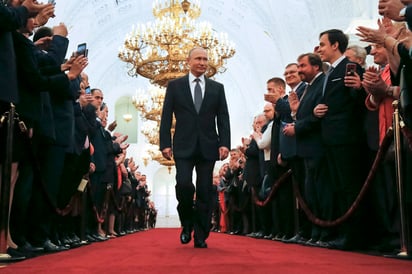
(187, 93)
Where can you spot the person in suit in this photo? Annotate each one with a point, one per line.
(50, 135)
(196, 143)
(309, 147)
(293, 79)
(341, 113)
(11, 18)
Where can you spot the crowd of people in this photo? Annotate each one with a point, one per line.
(319, 168)
(71, 181)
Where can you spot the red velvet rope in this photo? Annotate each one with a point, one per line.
(326, 223)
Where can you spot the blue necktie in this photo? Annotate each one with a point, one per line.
(198, 95)
(325, 82)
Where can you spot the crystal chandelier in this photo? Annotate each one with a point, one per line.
(149, 104)
(158, 50)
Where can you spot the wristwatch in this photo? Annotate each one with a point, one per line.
(402, 12)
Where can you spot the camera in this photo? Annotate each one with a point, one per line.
(240, 161)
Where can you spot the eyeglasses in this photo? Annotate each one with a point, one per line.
(98, 97)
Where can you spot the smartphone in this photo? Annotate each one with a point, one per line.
(88, 90)
(81, 49)
(52, 2)
(350, 69)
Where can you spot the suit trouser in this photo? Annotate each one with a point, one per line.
(198, 215)
(344, 164)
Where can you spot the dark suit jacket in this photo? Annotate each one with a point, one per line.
(342, 124)
(300, 89)
(307, 126)
(32, 80)
(10, 20)
(195, 132)
(252, 172)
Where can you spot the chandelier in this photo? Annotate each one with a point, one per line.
(158, 50)
(149, 104)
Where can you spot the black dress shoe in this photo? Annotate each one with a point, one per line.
(99, 238)
(90, 238)
(268, 237)
(15, 255)
(341, 244)
(185, 235)
(259, 235)
(48, 246)
(200, 244)
(311, 242)
(323, 244)
(28, 248)
(297, 239)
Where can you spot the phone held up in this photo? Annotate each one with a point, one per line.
(88, 90)
(52, 2)
(350, 69)
(82, 49)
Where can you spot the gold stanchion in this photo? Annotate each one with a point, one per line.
(397, 124)
(5, 188)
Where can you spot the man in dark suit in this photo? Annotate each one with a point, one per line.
(309, 147)
(196, 143)
(11, 18)
(341, 113)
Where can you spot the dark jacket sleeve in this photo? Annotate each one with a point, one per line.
(12, 18)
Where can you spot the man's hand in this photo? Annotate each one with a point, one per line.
(289, 130)
(353, 81)
(43, 41)
(112, 125)
(320, 110)
(374, 84)
(78, 65)
(272, 97)
(293, 101)
(44, 15)
(92, 168)
(120, 138)
(167, 153)
(391, 9)
(32, 6)
(407, 42)
(223, 153)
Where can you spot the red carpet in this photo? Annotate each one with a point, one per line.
(159, 251)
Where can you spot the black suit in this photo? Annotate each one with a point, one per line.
(10, 20)
(38, 74)
(300, 89)
(309, 149)
(195, 144)
(342, 134)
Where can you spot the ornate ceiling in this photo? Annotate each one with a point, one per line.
(268, 35)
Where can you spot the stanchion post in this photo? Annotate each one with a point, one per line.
(5, 188)
(399, 182)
